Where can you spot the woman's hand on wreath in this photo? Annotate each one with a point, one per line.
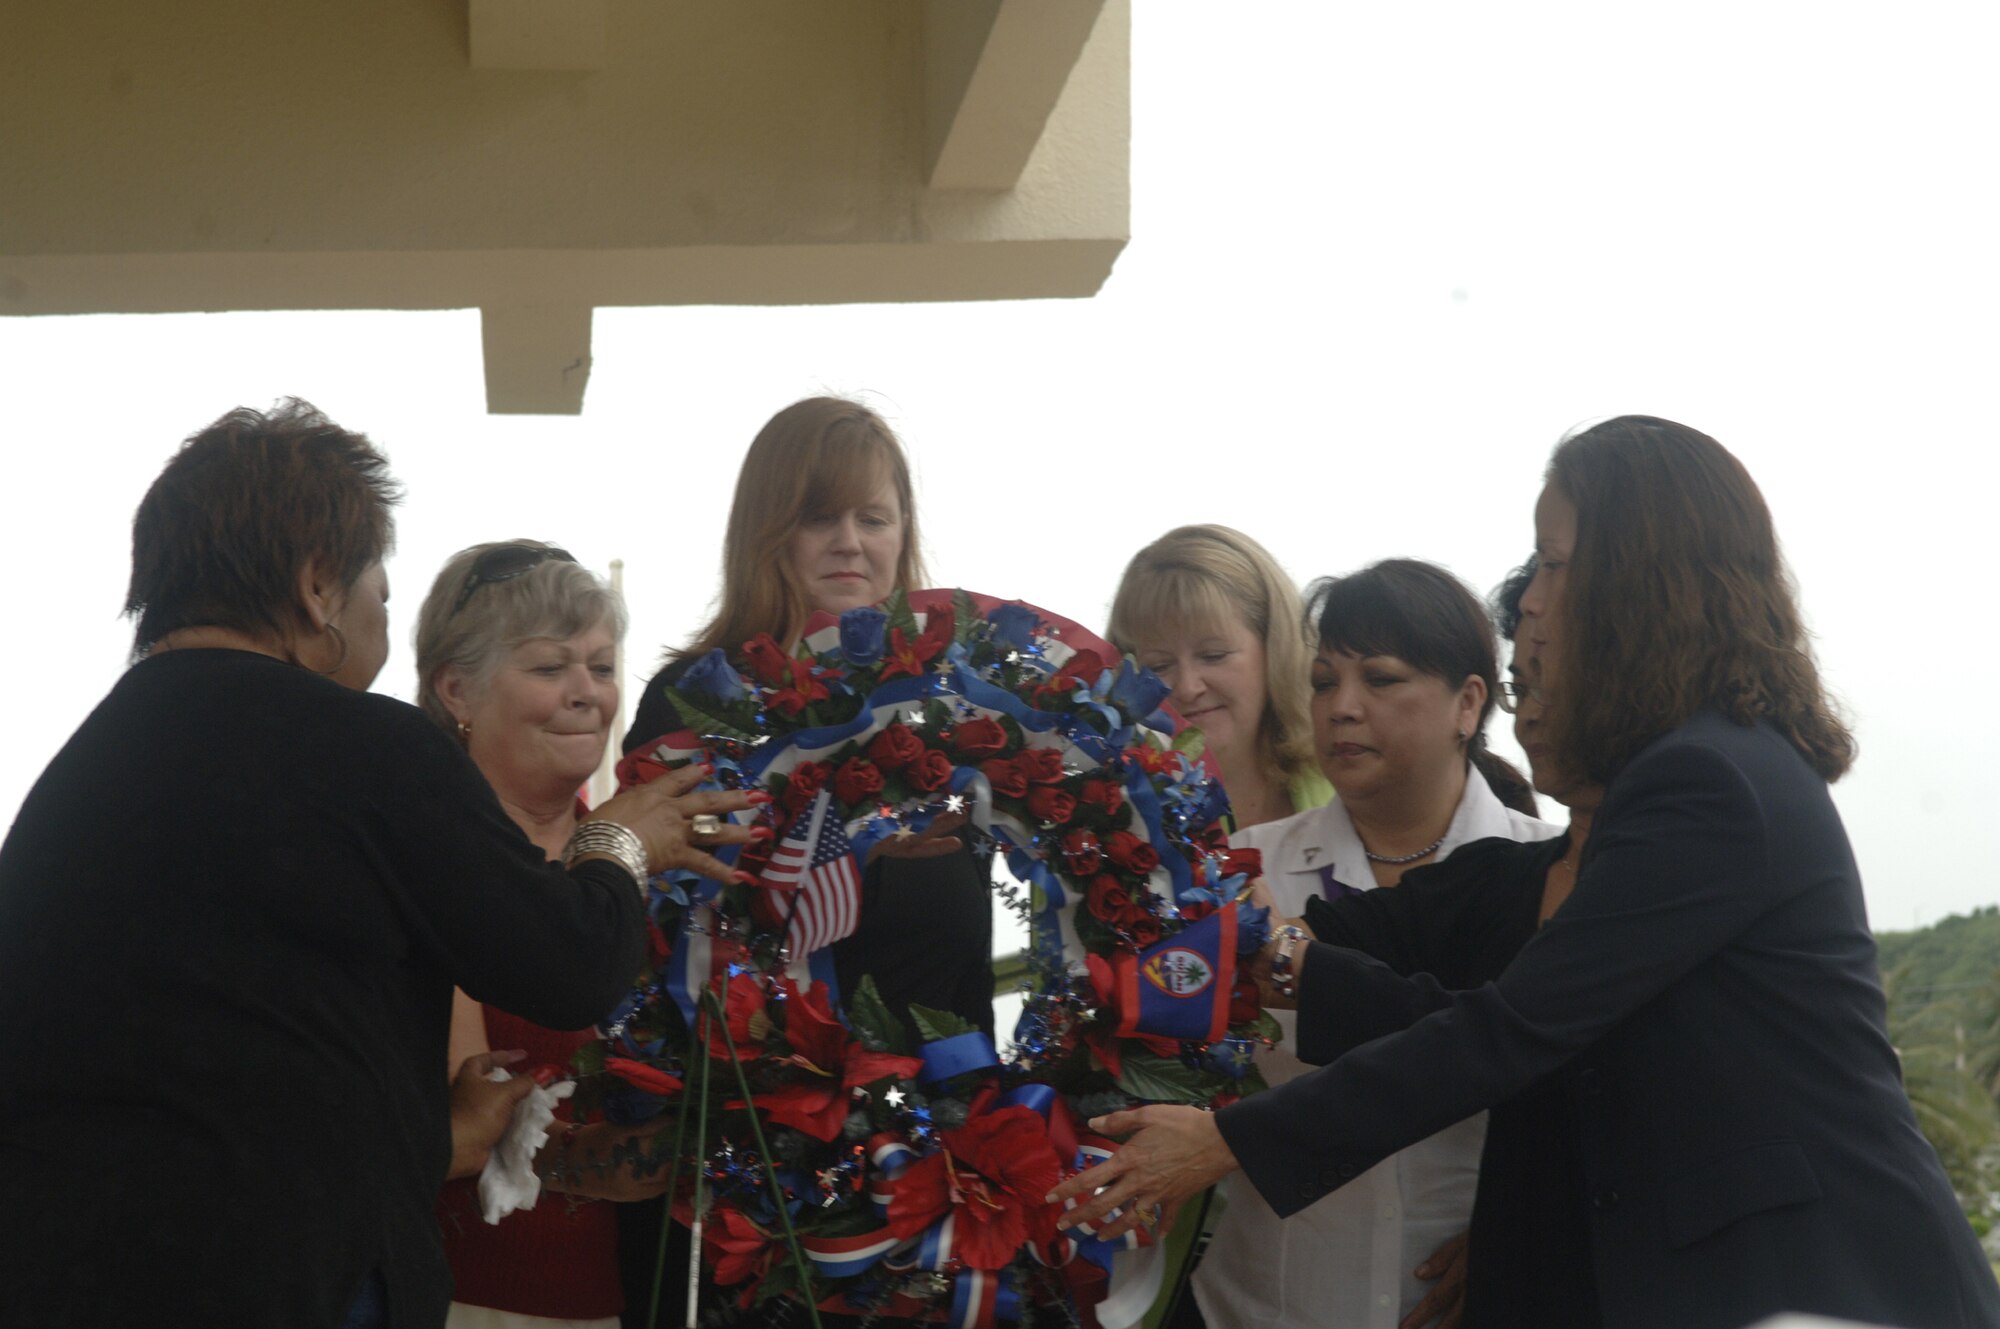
(662, 812)
(933, 841)
(1174, 1154)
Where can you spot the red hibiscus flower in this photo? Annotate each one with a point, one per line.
(832, 1064)
(930, 772)
(857, 781)
(738, 1250)
(641, 1076)
(744, 1011)
(991, 1176)
(978, 738)
(1006, 777)
(895, 747)
(805, 689)
(768, 662)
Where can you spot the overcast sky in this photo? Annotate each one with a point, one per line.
(1381, 258)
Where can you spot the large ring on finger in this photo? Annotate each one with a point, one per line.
(706, 826)
(1149, 1217)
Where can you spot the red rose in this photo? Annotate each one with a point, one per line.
(1052, 803)
(1006, 777)
(857, 781)
(895, 747)
(1108, 900)
(1041, 765)
(1145, 931)
(1128, 851)
(930, 772)
(804, 786)
(979, 737)
(1106, 794)
(768, 662)
(1080, 851)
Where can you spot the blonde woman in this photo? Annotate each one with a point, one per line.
(1210, 611)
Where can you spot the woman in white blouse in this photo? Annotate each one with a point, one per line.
(1403, 682)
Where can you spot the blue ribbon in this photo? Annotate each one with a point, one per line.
(958, 1055)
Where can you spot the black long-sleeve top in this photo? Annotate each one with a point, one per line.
(232, 912)
(1463, 920)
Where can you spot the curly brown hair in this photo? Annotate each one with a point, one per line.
(1677, 599)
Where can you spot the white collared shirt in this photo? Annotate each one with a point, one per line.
(1347, 1261)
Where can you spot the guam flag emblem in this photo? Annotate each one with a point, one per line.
(1179, 988)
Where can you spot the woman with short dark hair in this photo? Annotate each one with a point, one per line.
(232, 911)
(1403, 681)
(1707, 997)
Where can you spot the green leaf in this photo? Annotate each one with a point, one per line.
(1163, 1080)
(965, 616)
(897, 606)
(933, 1026)
(704, 716)
(589, 1059)
(872, 1021)
(1190, 741)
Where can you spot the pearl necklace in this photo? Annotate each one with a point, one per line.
(1425, 852)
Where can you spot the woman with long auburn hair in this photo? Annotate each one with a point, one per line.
(1706, 997)
(824, 520)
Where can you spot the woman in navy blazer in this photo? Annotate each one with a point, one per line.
(1707, 997)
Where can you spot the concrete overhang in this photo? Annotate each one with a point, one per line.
(537, 159)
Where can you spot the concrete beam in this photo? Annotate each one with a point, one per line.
(537, 358)
(993, 70)
(538, 34)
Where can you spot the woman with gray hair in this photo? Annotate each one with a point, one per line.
(516, 658)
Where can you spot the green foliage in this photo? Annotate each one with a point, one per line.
(1167, 1080)
(1943, 986)
(873, 1023)
(936, 1025)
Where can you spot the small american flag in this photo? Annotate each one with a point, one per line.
(816, 860)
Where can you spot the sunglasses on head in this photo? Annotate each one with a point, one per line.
(506, 562)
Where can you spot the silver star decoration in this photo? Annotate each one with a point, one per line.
(905, 833)
(894, 1098)
(1013, 657)
(955, 803)
(942, 669)
(915, 720)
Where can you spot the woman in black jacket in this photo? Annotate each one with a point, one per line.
(232, 911)
(1707, 996)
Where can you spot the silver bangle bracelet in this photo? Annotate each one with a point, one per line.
(1282, 978)
(608, 837)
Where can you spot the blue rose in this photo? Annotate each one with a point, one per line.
(864, 634)
(1138, 692)
(712, 676)
(1014, 625)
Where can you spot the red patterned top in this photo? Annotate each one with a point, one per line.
(559, 1259)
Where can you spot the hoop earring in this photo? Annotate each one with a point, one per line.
(340, 637)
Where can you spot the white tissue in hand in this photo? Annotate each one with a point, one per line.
(508, 1182)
